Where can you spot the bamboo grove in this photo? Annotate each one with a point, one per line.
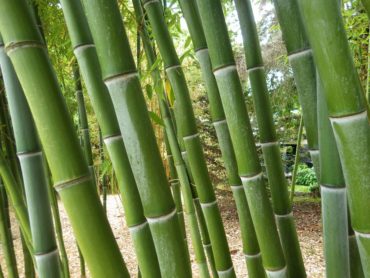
(172, 208)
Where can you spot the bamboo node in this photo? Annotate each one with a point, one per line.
(224, 70)
(248, 256)
(79, 48)
(219, 122)
(288, 215)
(13, 46)
(269, 144)
(210, 204)
(111, 139)
(163, 218)
(277, 273)
(349, 118)
(363, 235)
(73, 182)
(174, 67)
(256, 68)
(25, 155)
(252, 178)
(225, 273)
(186, 138)
(120, 78)
(47, 254)
(200, 51)
(138, 227)
(299, 54)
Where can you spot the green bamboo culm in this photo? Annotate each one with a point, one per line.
(250, 244)
(269, 142)
(242, 137)
(103, 177)
(189, 138)
(87, 58)
(24, 45)
(296, 159)
(178, 168)
(58, 229)
(333, 196)
(11, 156)
(304, 71)
(122, 80)
(347, 110)
(83, 122)
(6, 238)
(34, 177)
(175, 184)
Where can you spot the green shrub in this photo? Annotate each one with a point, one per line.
(306, 176)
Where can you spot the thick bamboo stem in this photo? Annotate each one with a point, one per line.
(90, 69)
(6, 238)
(187, 131)
(250, 244)
(25, 47)
(347, 109)
(237, 118)
(34, 177)
(270, 146)
(120, 76)
(333, 196)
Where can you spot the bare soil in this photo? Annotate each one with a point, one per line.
(306, 212)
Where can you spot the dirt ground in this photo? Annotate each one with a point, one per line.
(307, 214)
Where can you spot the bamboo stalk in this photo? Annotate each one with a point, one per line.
(83, 122)
(34, 178)
(347, 109)
(6, 238)
(304, 71)
(296, 159)
(121, 78)
(250, 244)
(242, 139)
(333, 196)
(73, 181)
(103, 106)
(190, 141)
(270, 146)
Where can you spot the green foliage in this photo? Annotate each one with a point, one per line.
(306, 176)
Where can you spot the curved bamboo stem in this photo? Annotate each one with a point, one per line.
(347, 109)
(120, 76)
(25, 47)
(90, 69)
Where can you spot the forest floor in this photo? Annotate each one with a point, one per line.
(306, 212)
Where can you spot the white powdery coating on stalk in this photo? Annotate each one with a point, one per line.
(111, 81)
(175, 67)
(226, 273)
(224, 71)
(236, 188)
(137, 228)
(250, 257)
(163, 218)
(47, 254)
(281, 273)
(269, 144)
(288, 215)
(219, 123)
(207, 205)
(200, 52)
(80, 48)
(112, 139)
(300, 54)
(255, 68)
(186, 138)
(253, 178)
(28, 155)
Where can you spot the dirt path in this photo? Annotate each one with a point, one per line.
(306, 213)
